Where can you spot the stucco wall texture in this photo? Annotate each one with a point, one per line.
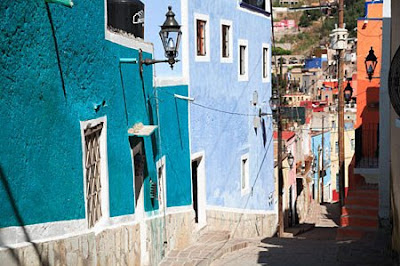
(41, 150)
(224, 137)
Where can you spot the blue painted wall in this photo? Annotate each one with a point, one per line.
(41, 157)
(225, 137)
(316, 142)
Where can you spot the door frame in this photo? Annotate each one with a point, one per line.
(201, 187)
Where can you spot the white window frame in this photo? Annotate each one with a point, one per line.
(162, 184)
(105, 203)
(245, 76)
(206, 57)
(125, 40)
(229, 59)
(245, 188)
(268, 78)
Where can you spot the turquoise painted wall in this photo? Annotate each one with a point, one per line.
(41, 153)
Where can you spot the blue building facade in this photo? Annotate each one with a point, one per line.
(230, 82)
(65, 93)
(317, 148)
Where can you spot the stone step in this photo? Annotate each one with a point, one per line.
(358, 221)
(360, 210)
(364, 193)
(362, 201)
(352, 232)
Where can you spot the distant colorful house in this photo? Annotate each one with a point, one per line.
(322, 177)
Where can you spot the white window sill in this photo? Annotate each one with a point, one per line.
(243, 78)
(202, 58)
(226, 60)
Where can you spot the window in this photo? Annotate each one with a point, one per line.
(244, 174)
(259, 6)
(202, 37)
(243, 60)
(93, 174)
(95, 170)
(225, 41)
(265, 62)
(337, 147)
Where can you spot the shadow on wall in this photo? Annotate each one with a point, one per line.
(7, 189)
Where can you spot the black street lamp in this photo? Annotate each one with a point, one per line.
(370, 63)
(348, 92)
(170, 35)
(290, 160)
(274, 102)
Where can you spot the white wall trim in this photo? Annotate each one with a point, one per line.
(170, 81)
(105, 203)
(179, 209)
(37, 232)
(14, 236)
(269, 73)
(229, 23)
(245, 76)
(199, 58)
(237, 210)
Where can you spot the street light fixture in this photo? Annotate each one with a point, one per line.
(370, 63)
(274, 102)
(170, 35)
(290, 160)
(348, 92)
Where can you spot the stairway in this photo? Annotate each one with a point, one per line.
(360, 213)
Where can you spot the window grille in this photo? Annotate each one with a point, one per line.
(93, 174)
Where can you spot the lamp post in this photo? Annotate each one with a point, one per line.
(274, 103)
(170, 35)
(370, 63)
(290, 159)
(348, 92)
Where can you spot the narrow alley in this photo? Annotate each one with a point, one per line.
(199, 132)
(317, 246)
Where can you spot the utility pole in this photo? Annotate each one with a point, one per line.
(322, 161)
(280, 171)
(341, 111)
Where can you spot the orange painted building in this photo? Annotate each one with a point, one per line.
(369, 35)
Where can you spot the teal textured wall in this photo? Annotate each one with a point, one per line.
(41, 153)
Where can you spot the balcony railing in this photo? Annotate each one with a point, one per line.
(367, 146)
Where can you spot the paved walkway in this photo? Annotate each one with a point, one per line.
(315, 247)
(210, 247)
